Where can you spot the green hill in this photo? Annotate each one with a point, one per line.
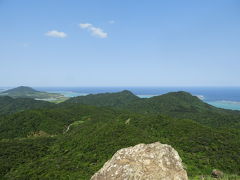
(21, 90)
(28, 92)
(119, 99)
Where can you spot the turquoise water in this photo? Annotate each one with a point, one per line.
(69, 93)
(226, 104)
(145, 95)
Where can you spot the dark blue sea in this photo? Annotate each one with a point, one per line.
(223, 97)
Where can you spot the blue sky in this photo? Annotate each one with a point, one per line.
(120, 43)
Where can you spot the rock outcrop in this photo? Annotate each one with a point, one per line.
(154, 161)
(217, 173)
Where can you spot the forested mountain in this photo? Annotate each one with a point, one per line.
(20, 90)
(28, 92)
(119, 99)
(72, 140)
(176, 104)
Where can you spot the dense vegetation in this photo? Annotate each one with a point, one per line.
(51, 121)
(16, 152)
(10, 105)
(72, 141)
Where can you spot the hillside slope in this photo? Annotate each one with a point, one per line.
(80, 152)
(52, 120)
(10, 105)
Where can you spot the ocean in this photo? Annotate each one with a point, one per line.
(222, 97)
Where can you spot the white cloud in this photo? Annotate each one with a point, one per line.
(55, 33)
(95, 31)
(111, 22)
(86, 25)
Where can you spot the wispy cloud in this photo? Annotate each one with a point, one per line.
(95, 31)
(56, 34)
(111, 22)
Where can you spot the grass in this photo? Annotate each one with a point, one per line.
(226, 177)
(59, 100)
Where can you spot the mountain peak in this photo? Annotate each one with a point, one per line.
(106, 99)
(177, 93)
(182, 95)
(127, 92)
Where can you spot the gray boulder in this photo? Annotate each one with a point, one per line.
(154, 161)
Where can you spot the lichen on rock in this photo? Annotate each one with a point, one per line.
(154, 161)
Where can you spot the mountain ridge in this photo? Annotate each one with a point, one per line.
(179, 104)
(105, 99)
